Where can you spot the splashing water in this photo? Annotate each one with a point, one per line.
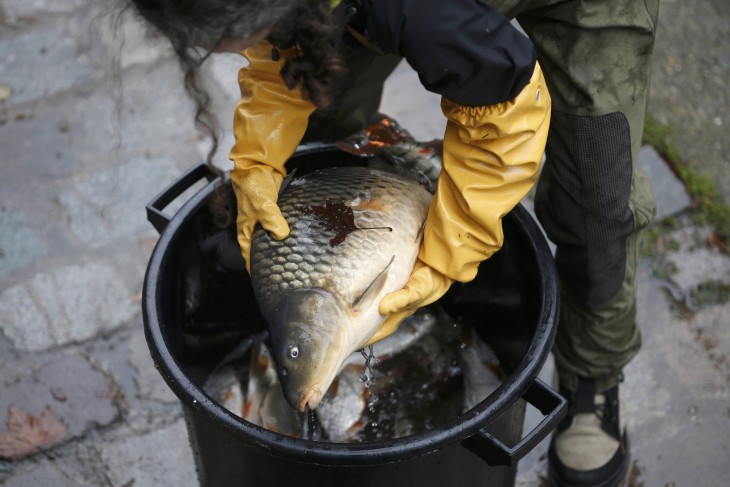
(311, 429)
(367, 376)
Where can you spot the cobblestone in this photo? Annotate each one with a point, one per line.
(42, 63)
(669, 193)
(146, 459)
(77, 394)
(19, 245)
(71, 304)
(110, 205)
(150, 384)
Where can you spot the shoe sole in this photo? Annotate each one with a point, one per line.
(617, 480)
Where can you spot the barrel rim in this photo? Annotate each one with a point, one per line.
(455, 430)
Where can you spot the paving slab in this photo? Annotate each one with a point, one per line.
(21, 12)
(41, 62)
(129, 42)
(150, 384)
(19, 244)
(693, 263)
(77, 394)
(677, 392)
(688, 88)
(45, 473)
(669, 193)
(157, 459)
(145, 400)
(110, 205)
(63, 306)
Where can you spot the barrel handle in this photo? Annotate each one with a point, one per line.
(495, 452)
(155, 215)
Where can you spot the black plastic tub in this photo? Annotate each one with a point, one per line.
(198, 304)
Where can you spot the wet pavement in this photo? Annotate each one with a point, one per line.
(85, 147)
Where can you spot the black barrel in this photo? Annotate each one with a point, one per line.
(198, 304)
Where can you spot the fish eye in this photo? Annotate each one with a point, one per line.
(293, 351)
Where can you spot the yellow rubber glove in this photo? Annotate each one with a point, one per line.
(492, 156)
(424, 287)
(269, 123)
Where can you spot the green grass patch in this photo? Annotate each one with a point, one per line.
(709, 206)
(711, 292)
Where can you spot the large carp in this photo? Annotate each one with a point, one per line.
(355, 234)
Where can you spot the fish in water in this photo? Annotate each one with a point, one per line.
(355, 234)
(481, 368)
(265, 405)
(246, 384)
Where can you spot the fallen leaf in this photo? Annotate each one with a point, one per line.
(27, 433)
(660, 247)
(715, 241)
(334, 216)
(5, 92)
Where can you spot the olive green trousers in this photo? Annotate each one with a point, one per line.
(591, 198)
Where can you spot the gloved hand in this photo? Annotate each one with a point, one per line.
(425, 286)
(269, 123)
(257, 187)
(492, 156)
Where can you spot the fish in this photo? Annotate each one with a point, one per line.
(340, 412)
(224, 386)
(265, 405)
(392, 147)
(246, 383)
(252, 392)
(355, 235)
(482, 372)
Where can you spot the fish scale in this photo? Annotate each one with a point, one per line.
(305, 259)
(355, 234)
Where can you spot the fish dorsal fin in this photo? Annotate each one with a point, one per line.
(373, 288)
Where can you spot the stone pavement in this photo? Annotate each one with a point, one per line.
(87, 142)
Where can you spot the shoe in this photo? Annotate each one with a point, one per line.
(590, 447)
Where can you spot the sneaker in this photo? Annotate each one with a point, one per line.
(590, 446)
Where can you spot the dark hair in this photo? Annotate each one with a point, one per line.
(312, 28)
(308, 24)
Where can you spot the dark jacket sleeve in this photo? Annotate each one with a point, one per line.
(462, 49)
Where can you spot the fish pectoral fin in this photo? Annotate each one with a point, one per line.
(373, 289)
(419, 235)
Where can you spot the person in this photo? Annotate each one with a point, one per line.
(316, 70)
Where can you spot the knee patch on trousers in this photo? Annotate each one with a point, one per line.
(584, 202)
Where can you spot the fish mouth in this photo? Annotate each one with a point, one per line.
(310, 398)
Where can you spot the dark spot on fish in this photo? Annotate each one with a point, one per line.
(334, 216)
